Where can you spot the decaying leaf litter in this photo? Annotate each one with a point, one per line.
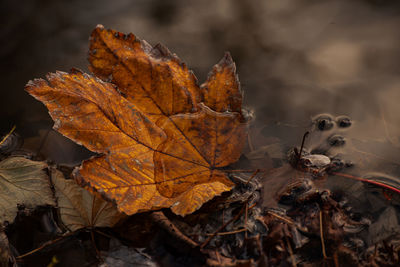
(165, 142)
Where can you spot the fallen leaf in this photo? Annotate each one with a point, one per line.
(6, 257)
(120, 255)
(160, 147)
(23, 183)
(221, 92)
(79, 208)
(211, 139)
(155, 80)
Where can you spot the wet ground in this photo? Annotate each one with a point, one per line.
(295, 61)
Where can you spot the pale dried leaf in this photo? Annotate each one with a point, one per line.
(23, 183)
(79, 208)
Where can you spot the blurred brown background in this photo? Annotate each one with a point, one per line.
(295, 59)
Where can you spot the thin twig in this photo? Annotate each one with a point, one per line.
(281, 218)
(217, 256)
(294, 264)
(162, 221)
(94, 245)
(252, 176)
(321, 231)
(233, 171)
(102, 233)
(51, 242)
(288, 221)
(336, 259)
(285, 231)
(252, 206)
(345, 175)
(5, 137)
(245, 219)
(230, 232)
(302, 146)
(222, 227)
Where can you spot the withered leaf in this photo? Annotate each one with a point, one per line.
(157, 81)
(120, 255)
(6, 257)
(79, 208)
(210, 138)
(221, 92)
(151, 77)
(160, 147)
(23, 183)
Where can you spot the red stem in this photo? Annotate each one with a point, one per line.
(367, 181)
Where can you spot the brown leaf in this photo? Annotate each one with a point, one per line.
(120, 255)
(6, 257)
(22, 182)
(156, 80)
(210, 138)
(155, 153)
(79, 208)
(151, 77)
(221, 91)
(92, 113)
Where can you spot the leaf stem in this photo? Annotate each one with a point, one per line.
(5, 137)
(321, 231)
(48, 243)
(222, 227)
(386, 186)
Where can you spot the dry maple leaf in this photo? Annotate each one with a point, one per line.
(160, 146)
(157, 81)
